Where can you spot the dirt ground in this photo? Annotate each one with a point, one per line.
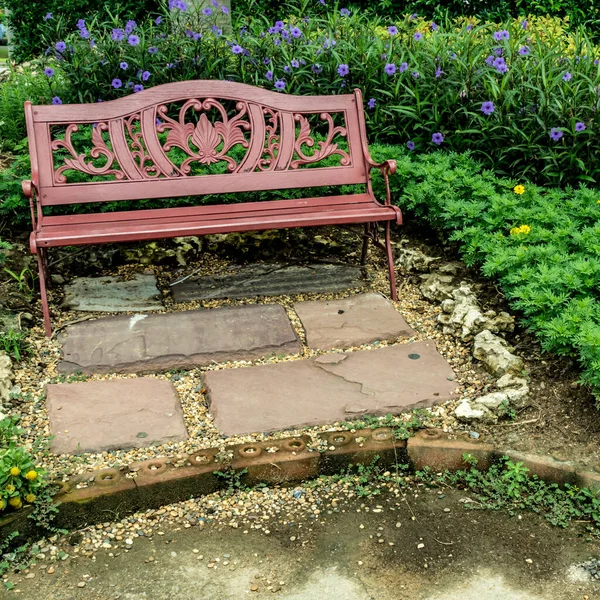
(430, 547)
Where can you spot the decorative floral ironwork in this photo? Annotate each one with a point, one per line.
(80, 162)
(139, 152)
(204, 135)
(272, 143)
(326, 148)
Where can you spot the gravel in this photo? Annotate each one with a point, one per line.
(39, 368)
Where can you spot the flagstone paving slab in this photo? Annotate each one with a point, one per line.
(113, 294)
(98, 416)
(332, 387)
(351, 321)
(270, 280)
(183, 340)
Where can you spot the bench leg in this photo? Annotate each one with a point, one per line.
(390, 257)
(42, 267)
(365, 246)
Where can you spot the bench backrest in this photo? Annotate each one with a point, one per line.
(160, 142)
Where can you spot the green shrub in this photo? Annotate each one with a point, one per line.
(20, 480)
(542, 245)
(25, 18)
(540, 121)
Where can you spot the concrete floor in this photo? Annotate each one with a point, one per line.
(466, 555)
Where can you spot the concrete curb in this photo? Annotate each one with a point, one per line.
(87, 499)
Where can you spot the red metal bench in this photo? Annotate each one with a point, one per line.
(161, 142)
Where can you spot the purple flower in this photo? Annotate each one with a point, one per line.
(180, 4)
(116, 83)
(267, 61)
(524, 24)
(500, 65)
(498, 51)
(145, 75)
(579, 126)
(390, 68)
(207, 11)
(130, 26)
(279, 26)
(123, 65)
(48, 71)
(418, 36)
(567, 76)
(218, 32)
(524, 50)
(224, 10)
(437, 138)
(501, 35)
(487, 108)
(84, 33)
(438, 72)
(287, 69)
(317, 68)
(410, 145)
(371, 103)
(61, 46)
(48, 17)
(56, 100)
(295, 64)
(280, 84)
(158, 20)
(415, 74)
(92, 43)
(295, 32)
(343, 70)
(81, 24)
(117, 35)
(237, 49)
(393, 30)
(133, 40)
(269, 75)
(403, 67)
(490, 60)
(469, 27)
(345, 12)
(434, 26)
(556, 134)
(152, 50)
(138, 88)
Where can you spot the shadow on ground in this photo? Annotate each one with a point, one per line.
(429, 546)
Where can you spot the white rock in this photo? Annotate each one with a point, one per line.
(436, 287)
(491, 401)
(6, 377)
(494, 353)
(413, 260)
(466, 412)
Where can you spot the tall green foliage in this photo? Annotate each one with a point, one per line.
(522, 96)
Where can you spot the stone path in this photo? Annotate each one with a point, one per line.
(269, 280)
(284, 395)
(350, 322)
(332, 387)
(183, 340)
(119, 414)
(113, 294)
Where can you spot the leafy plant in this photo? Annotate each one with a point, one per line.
(522, 97)
(14, 343)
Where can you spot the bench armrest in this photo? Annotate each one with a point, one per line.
(30, 191)
(386, 168)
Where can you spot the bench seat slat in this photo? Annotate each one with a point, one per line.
(160, 214)
(199, 223)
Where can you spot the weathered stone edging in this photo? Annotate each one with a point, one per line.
(92, 497)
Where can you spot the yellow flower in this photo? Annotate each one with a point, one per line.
(15, 502)
(519, 189)
(525, 229)
(10, 488)
(31, 475)
(30, 498)
(14, 471)
(597, 201)
(2, 504)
